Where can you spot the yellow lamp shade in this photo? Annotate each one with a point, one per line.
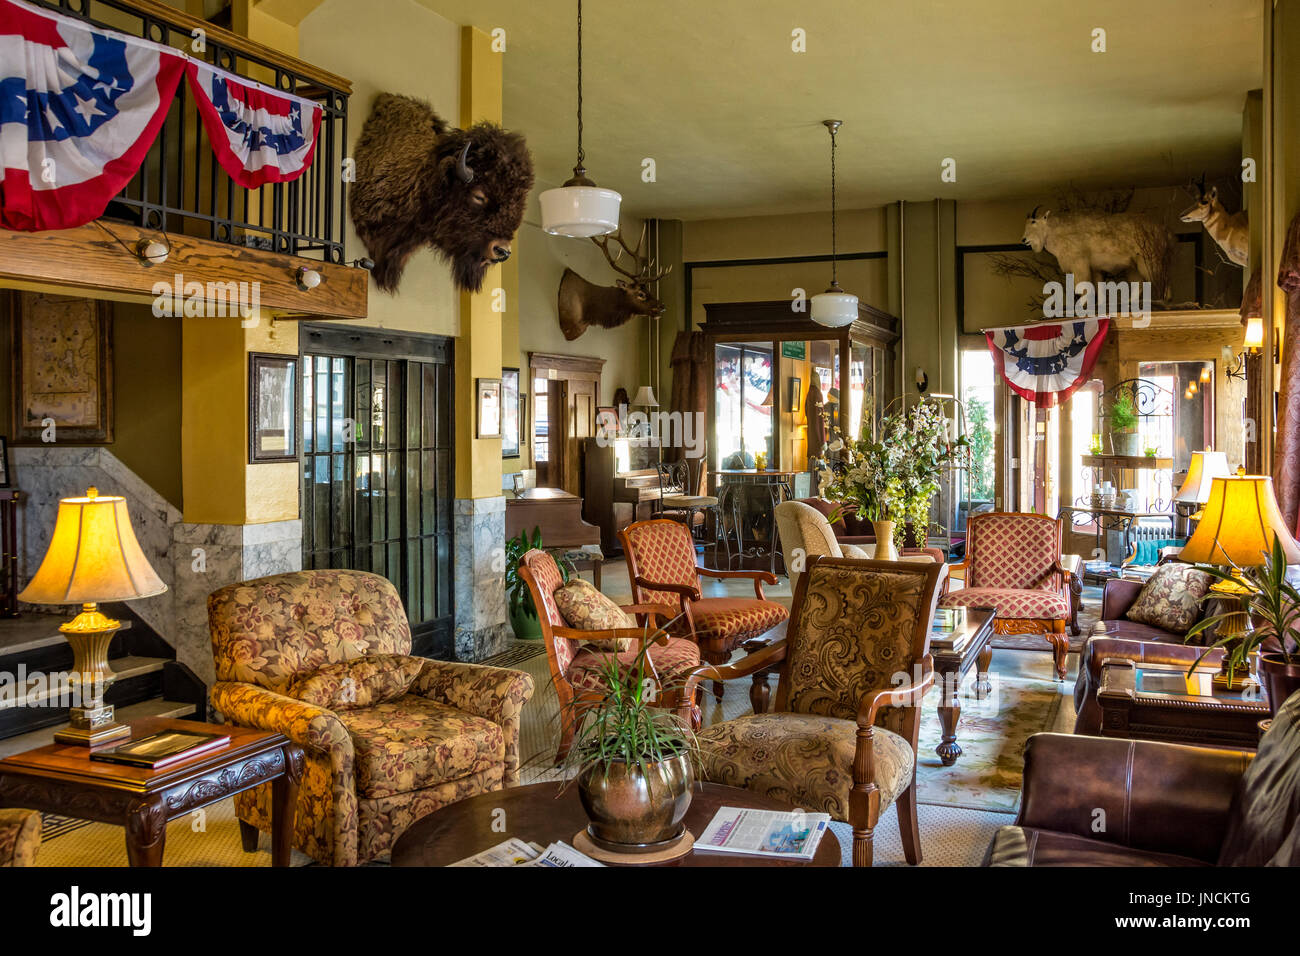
(1239, 523)
(1254, 332)
(93, 556)
(1205, 467)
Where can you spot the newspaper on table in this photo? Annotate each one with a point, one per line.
(790, 834)
(516, 852)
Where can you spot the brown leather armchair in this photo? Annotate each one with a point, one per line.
(1097, 801)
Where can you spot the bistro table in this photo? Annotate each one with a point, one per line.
(776, 485)
(540, 813)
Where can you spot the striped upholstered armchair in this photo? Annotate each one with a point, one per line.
(324, 657)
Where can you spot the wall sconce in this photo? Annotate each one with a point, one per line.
(1234, 364)
(1206, 372)
(1254, 334)
(1191, 388)
(152, 251)
(922, 379)
(307, 279)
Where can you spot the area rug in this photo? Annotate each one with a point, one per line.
(992, 734)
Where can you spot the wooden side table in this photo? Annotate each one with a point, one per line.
(1160, 702)
(541, 814)
(60, 778)
(954, 653)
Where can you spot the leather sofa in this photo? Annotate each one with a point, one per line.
(1116, 636)
(1097, 801)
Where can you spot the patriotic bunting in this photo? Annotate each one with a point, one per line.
(259, 137)
(81, 106)
(1045, 364)
(79, 109)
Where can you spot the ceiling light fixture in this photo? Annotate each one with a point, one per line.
(580, 209)
(307, 278)
(152, 251)
(834, 308)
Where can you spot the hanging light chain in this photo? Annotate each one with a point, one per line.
(834, 281)
(581, 155)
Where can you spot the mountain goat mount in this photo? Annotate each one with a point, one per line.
(582, 304)
(420, 181)
(1230, 232)
(1091, 244)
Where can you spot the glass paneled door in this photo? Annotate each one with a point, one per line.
(377, 468)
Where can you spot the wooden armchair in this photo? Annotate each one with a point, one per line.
(661, 566)
(576, 668)
(1013, 563)
(841, 738)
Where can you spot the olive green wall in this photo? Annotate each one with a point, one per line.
(146, 395)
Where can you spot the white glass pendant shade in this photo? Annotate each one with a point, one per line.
(834, 308)
(580, 212)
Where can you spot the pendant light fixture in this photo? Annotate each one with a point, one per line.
(834, 308)
(580, 209)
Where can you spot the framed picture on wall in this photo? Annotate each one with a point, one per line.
(272, 407)
(796, 389)
(62, 367)
(487, 392)
(510, 413)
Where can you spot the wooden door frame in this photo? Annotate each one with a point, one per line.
(554, 365)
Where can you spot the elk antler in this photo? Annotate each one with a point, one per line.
(645, 273)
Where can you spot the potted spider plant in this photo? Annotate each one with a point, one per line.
(519, 602)
(633, 762)
(1268, 597)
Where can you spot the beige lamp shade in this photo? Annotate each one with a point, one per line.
(1239, 523)
(93, 556)
(645, 397)
(1254, 332)
(1205, 467)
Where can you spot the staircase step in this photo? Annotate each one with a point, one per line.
(156, 707)
(138, 679)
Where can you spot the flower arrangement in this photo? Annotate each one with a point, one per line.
(896, 478)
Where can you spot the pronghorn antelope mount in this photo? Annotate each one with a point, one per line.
(1230, 231)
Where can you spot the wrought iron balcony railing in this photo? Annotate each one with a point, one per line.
(181, 188)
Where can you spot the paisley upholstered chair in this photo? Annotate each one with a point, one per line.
(576, 666)
(1013, 563)
(20, 837)
(841, 735)
(324, 657)
(661, 566)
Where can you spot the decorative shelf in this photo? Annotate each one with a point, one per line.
(1136, 462)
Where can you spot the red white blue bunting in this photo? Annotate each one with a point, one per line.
(1045, 364)
(259, 136)
(80, 107)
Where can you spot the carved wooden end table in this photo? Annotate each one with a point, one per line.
(60, 778)
(954, 652)
(1161, 702)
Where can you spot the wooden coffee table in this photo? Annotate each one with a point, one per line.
(60, 778)
(954, 652)
(1160, 702)
(539, 813)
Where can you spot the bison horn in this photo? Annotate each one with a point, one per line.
(463, 169)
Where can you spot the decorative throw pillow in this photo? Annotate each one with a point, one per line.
(586, 609)
(1171, 599)
(361, 682)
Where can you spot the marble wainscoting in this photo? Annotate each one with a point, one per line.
(46, 473)
(210, 556)
(482, 626)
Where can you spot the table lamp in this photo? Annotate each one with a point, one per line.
(1205, 467)
(1238, 525)
(93, 557)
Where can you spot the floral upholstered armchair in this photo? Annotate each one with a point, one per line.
(661, 566)
(323, 657)
(842, 734)
(20, 837)
(1013, 563)
(577, 657)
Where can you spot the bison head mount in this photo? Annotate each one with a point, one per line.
(582, 304)
(422, 182)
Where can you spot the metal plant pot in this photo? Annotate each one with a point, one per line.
(1126, 443)
(635, 812)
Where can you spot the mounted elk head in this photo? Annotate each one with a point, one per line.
(1230, 232)
(582, 304)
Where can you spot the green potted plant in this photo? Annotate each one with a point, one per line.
(519, 603)
(1268, 597)
(633, 762)
(1124, 436)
